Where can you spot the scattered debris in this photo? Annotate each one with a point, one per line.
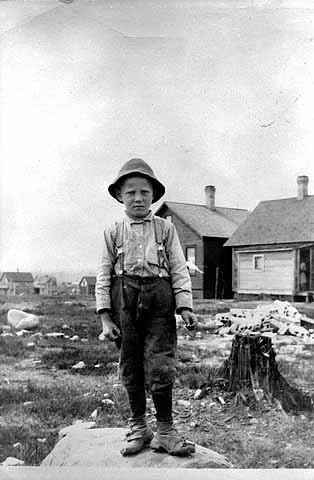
(278, 318)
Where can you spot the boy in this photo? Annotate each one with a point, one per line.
(143, 279)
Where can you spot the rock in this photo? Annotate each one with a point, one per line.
(55, 335)
(183, 403)
(79, 365)
(12, 462)
(100, 447)
(7, 334)
(108, 402)
(94, 414)
(75, 338)
(78, 425)
(5, 328)
(22, 320)
(28, 404)
(22, 333)
(37, 335)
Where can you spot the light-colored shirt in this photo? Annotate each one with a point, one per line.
(140, 252)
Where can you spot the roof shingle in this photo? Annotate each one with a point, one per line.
(18, 276)
(285, 220)
(205, 222)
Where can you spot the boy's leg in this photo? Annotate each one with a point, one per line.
(131, 366)
(159, 362)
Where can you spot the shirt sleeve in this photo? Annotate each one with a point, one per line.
(105, 270)
(180, 277)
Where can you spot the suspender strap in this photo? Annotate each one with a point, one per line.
(158, 226)
(119, 245)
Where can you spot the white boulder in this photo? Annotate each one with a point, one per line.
(12, 462)
(21, 320)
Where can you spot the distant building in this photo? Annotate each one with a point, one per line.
(87, 286)
(16, 283)
(273, 250)
(45, 285)
(203, 230)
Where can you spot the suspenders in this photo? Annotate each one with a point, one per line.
(120, 235)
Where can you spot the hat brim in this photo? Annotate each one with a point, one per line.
(159, 188)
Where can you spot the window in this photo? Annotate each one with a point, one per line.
(169, 218)
(191, 259)
(258, 262)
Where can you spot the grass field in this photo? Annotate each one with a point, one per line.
(40, 392)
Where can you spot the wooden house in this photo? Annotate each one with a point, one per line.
(87, 286)
(45, 285)
(203, 230)
(273, 249)
(16, 283)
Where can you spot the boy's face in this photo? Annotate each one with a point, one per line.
(137, 195)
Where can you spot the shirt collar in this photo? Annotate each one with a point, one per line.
(131, 219)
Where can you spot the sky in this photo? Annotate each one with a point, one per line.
(207, 92)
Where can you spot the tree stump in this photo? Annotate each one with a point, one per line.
(251, 371)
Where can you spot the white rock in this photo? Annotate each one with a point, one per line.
(22, 320)
(12, 462)
(94, 413)
(108, 402)
(55, 335)
(79, 365)
(37, 335)
(21, 333)
(28, 404)
(75, 338)
(183, 403)
(30, 345)
(198, 394)
(7, 334)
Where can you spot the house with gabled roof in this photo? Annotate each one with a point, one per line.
(203, 230)
(16, 283)
(87, 286)
(273, 250)
(45, 285)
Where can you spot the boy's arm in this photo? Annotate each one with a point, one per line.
(180, 277)
(105, 270)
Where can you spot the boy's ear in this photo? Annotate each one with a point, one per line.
(118, 195)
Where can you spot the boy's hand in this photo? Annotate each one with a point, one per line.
(110, 331)
(189, 318)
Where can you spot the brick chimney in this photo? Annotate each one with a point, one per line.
(210, 197)
(302, 181)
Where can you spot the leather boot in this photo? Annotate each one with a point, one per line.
(138, 437)
(167, 439)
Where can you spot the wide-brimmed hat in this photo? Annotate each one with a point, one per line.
(136, 166)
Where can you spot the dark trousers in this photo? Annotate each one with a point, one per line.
(143, 308)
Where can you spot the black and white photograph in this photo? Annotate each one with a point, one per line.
(156, 239)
